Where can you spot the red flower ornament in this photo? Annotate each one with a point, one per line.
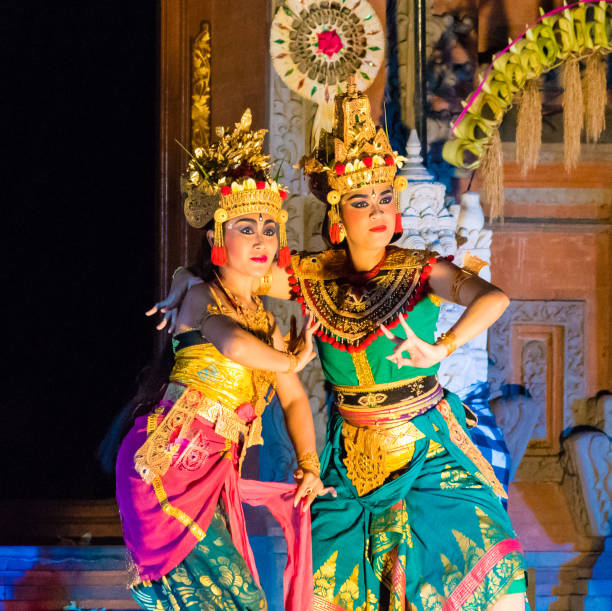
(329, 43)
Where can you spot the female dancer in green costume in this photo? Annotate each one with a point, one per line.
(417, 523)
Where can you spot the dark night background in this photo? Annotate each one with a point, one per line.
(79, 155)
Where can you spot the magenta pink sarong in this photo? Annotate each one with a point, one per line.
(200, 475)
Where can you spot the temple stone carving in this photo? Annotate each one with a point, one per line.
(588, 481)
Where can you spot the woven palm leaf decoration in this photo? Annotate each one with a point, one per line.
(567, 37)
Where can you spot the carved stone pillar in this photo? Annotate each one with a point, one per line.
(432, 222)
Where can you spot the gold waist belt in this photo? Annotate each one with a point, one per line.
(154, 457)
(379, 435)
(386, 405)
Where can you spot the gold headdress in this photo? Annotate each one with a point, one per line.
(355, 154)
(231, 178)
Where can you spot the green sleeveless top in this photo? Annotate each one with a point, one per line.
(351, 307)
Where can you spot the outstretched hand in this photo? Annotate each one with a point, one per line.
(169, 306)
(309, 487)
(422, 354)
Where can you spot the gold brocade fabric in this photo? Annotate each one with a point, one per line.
(349, 312)
(204, 368)
(379, 435)
(205, 383)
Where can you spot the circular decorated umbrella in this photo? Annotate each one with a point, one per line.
(316, 45)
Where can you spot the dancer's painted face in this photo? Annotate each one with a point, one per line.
(251, 241)
(368, 215)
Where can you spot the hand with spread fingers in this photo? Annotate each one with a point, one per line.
(182, 280)
(309, 487)
(421, 353)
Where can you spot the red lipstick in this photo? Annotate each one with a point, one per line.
(379, 228)
(261, 259)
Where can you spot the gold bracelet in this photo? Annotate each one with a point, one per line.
(449, 341)
(293, 362)
(309, 461)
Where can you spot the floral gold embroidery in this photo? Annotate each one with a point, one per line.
(365, 458)
(351, 314)
(325, 598)
(452, 479)
(430, 598)
(363, 370)
(372, 400)
(461, 439)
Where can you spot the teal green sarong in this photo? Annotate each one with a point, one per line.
(213, 577)
(432, 535)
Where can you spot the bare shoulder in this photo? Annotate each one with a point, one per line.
(444, 268)
(197, 300)
(199, 295)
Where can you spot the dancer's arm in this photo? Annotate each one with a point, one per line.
(234, 342)
(183, 279)
(298, 419)
(484, 302)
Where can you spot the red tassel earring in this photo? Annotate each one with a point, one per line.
(284, 254)
(333, 197)
(219, 253)
(399, 184)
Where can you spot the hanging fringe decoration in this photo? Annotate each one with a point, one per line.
(492, 177)
(595, 96)
(529, 127)
(573, 113)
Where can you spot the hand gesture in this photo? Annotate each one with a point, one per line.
(421, 353)
(309, 487)
(169, 306)
(301, 345)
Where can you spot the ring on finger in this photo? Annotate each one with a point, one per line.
(308, 491)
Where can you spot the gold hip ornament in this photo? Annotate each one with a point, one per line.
(365, 458)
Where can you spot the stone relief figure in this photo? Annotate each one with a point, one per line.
(517, 414)
(534, 379)
(588, 474)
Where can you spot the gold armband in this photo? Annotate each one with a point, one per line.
(309, 461)
(461, 277)
(449, 341)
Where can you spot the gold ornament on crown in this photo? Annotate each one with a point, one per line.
(230, 178)
(355, 154)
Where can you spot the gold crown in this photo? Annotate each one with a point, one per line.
(355, 154)
(230, 178)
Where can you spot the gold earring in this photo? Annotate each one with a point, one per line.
(342, 232)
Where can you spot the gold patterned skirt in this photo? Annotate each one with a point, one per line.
(417, 523)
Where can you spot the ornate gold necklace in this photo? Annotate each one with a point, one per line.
(254, 320)
(258, 322)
